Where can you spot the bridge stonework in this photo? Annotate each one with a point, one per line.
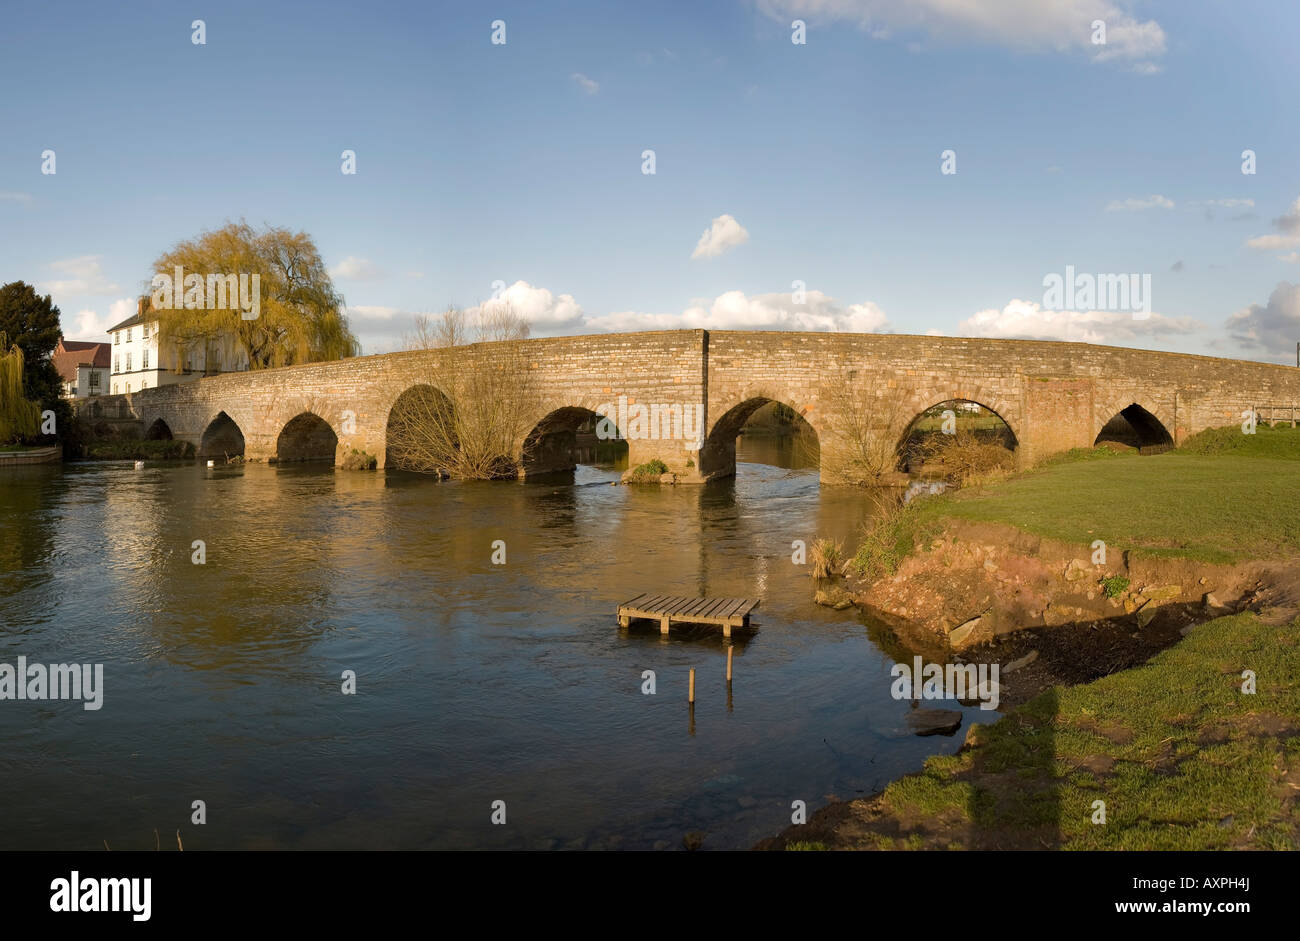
(1053, 395)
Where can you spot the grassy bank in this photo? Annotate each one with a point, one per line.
(1181, 757)
(1223, 497)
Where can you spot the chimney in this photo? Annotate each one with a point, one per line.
(139, 306)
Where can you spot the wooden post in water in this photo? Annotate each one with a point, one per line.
(729, 649)
(690, 696)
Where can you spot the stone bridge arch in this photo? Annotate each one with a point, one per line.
(717, 457)
(222, 438)
(916, 401)
(551, 445)
(1152, 421)
(410, 418)
(913, 415)
(306, 437)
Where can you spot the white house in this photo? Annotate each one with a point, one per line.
(139, 363)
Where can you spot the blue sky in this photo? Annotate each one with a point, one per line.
(818, 163)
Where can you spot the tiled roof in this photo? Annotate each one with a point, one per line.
(73, 353)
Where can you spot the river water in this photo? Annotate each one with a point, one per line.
(475, 682)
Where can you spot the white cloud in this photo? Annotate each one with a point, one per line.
(89, 325)
(356, 269)
(1289, 224)
(1269, 329)
(81, 275)
(1063, 26)
(544, 311)
(1231, 203)
(586, 84)
(1150, 202)
(1026, 320)
(736, 311)
(1273, 243)
(724, 233)
(372, 312)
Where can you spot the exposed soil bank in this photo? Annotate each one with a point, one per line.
(990, 593)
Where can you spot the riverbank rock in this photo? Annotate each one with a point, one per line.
(1163, 594)
(934, 721)
(1076, 570)
(1146, 614)
(1021, 662)
(834, 597)
(968, 634)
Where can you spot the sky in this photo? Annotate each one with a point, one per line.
(795, 185)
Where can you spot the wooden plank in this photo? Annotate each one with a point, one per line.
(649, 603)
(684, 611)
(677, 605)
(715, 605)
(699, 607)
(730, 609)
(628, 604)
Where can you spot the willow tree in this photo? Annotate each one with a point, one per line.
(298, 315)
(19, 416)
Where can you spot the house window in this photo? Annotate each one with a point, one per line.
(128, 387)
(128, 365)
(115, 388)
(117, 337)
(144, 360)
(94, 380)
(128, 334)
(145, 331)
(117, 364)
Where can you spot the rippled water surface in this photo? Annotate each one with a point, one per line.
(475, 682)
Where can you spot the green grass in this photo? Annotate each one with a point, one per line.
(1224, 498)
(1190, 761)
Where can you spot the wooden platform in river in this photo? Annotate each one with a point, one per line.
(675, 609)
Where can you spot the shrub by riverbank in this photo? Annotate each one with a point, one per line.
(1181, 757)
(126, 450)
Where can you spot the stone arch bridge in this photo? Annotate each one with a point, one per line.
(849, 387)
